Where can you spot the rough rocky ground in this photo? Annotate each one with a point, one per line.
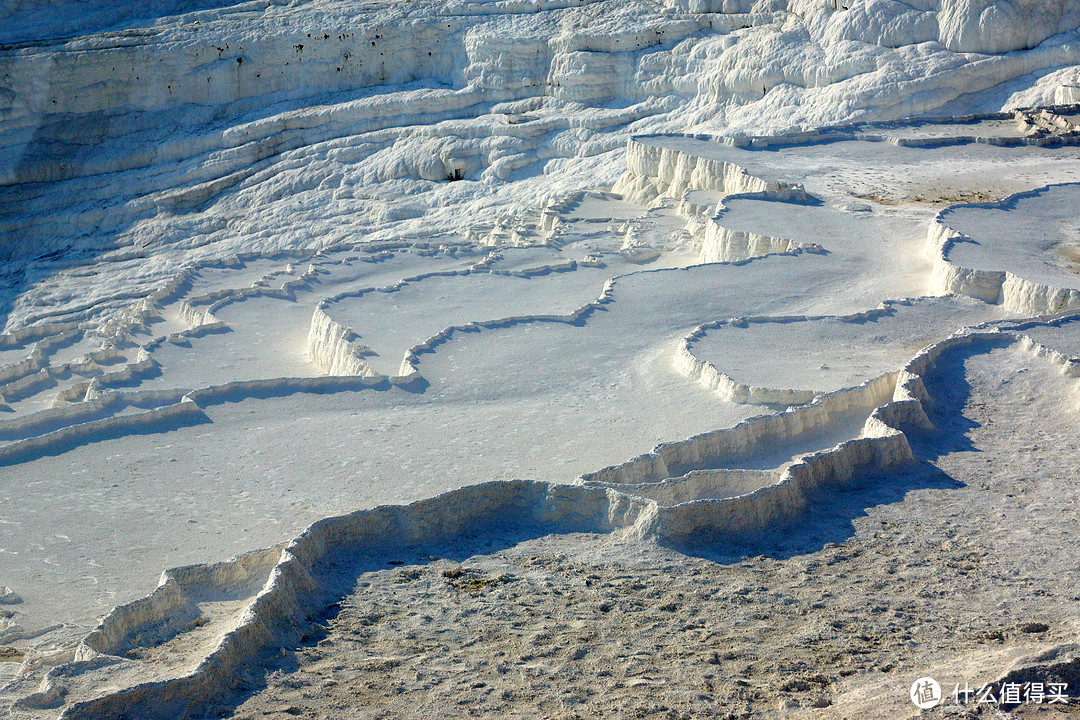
(952, 570)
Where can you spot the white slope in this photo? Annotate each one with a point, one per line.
(269, 263)
(261, 450)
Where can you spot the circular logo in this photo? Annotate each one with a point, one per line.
(925, 693)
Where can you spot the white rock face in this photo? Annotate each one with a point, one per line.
(328, 277)
(969, 26)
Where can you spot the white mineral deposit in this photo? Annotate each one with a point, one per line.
(539, 359)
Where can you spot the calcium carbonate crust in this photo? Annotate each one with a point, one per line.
(637, 499)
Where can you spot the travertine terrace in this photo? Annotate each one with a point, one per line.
(707, 350)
